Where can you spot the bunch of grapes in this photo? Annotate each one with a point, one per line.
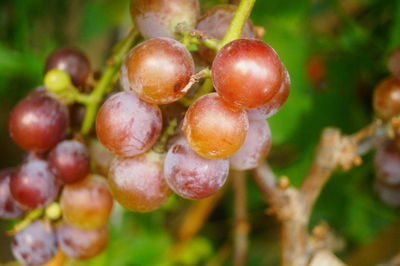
(151, 142)
(386, 101)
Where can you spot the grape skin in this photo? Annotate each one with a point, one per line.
(255, 148)
(386, 98)
(273, 105)
(159, 69)
(81, 244)
(390, 195)
(214, 129)
(69, 160)
(138, 183)
(8, 207)
(87, 204)
(128, 126)
(160, 18)
(35, 244)
(387, 163)
(247, 73)
(38, 122)
(215, 23)
(33, 185)
(192, 176)
(71, 60)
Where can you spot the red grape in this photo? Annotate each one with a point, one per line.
(387, 98)
(38, 122)
(87, 204)
(8, 207)
(159, 69)
(192, 176)
(81, 244)
(160, 18)
(247, 73)
(390, 195)
(128, 126)
(255, 148)
(387, 163)
(273, 105)
(138, 183)
(215, 23)
(33, 185)
(394, 63)
(71, 60)
(35, 244)
(213, 128)
(70, 161)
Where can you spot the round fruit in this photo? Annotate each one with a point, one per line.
(138, 183)
(192, 176)
(71, 60)
(387, 98)
(159, 69)
(161, 18)
(247, 73)
(38, 122)
(8, 207)
(213, 128)
(128, 126)
(87, 204)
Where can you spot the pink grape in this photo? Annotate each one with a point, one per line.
(128, 126)
(192, 176)
(255, 147)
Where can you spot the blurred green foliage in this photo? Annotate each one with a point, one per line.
(351, 38)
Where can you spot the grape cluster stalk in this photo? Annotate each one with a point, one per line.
(146, 144)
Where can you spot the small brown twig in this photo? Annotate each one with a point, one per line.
(293, 206)
(241, 229)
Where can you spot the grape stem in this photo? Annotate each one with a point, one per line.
(107, 80)
(160, 146)
(204, 89)
(235, 28)
(204, 73)
(28, 219)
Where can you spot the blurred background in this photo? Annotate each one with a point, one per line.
(336, 53)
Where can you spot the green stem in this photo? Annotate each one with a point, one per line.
(161, 144)
(29, 218)
(106, 81)
(235, 28)
(204, 89)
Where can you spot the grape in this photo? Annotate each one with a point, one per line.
(247, 73)
(70, 161)
(215, 22)
(126, 125)
(138, 183)
(33, 185)
(71, 60)
(394, 63)
(82, 244)
(213, 128)
(388, 194)
(35, 244)
(387, 98)
(100, 156)
(8, 207)
(255, 148)
(160, 18)
(192, 176)
(273, 105)
(57, 80)
(159, 69)
(87, 204)
(38, 122)
(387, 163)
